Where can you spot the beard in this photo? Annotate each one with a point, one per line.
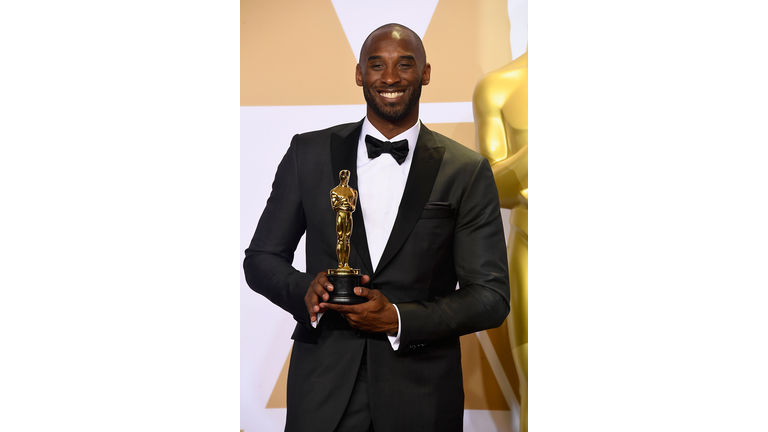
(393, 111)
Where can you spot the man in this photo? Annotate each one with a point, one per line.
(427, 216)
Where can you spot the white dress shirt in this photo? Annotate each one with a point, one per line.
(380, 185)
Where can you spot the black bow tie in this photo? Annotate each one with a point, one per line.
(398, 149)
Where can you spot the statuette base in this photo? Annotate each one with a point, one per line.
(344, 286)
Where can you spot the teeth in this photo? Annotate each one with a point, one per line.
(392, 95)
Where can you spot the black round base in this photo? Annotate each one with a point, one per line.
(343, 289)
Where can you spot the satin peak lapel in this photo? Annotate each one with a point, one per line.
(427, 157)
(344, 157)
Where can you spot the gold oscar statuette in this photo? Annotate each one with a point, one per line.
(344, 278)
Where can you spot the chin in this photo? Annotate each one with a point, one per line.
(392, 111)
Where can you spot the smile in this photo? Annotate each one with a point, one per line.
(391, 95)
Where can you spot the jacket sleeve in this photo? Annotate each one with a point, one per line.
(268, 260)
(482, 301)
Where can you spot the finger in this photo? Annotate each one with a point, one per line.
(365, 292)
(342, 309)
(310, 301)
(311, 310)
(315, 294)
(322, 279)
(365, 279)
(319, 291)
(315, 307)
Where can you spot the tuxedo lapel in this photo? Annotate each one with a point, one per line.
(344, 157)
(427, 157)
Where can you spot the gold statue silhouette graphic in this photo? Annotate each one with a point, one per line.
(500, 104)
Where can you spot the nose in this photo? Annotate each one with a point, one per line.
(390, 76)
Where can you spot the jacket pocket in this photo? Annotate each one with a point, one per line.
(438, 210)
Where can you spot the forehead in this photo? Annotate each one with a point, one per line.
(389, 41)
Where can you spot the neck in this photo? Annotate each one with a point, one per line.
(393, 128)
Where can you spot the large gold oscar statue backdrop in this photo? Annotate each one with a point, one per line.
(501, 118)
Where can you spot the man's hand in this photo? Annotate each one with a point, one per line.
(377, 315)
(317, 292)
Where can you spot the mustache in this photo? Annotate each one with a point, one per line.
(393, 88)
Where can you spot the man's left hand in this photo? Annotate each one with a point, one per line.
(377, 315)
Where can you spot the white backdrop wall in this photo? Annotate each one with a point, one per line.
(297, 65)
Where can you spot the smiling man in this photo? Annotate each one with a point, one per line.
(427, 217)
(392, 91)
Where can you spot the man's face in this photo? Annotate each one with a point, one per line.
(391, 76)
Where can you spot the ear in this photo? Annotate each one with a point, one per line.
(359, 75)
(426, 74)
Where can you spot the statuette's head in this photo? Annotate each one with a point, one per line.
(344, 176)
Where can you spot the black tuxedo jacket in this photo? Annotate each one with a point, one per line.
(448, 229)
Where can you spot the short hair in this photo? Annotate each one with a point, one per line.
(421, 54)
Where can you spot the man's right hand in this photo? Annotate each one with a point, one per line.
(317, 293)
